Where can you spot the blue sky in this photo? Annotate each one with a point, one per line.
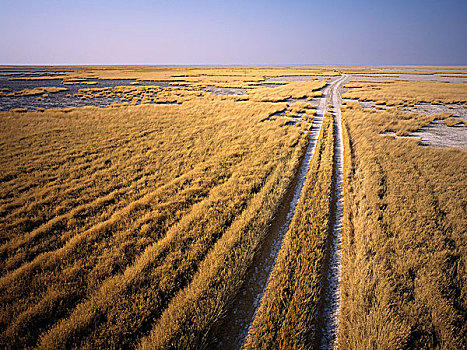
(233, 32)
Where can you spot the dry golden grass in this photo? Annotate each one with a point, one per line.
(133, 226)
(458, 75)
(238, 77)
(155, 94)
(403, 123)
(19, 110)
(192, 315)
(286, 315)
(301, 107)
(207, 76)
(404, 240)
(294, 90)
(145, 94)
(36, 91)
(108, 214)
(450, 121)
(48, 77)
(372, 72)
(403, 92)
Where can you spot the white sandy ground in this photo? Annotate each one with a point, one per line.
(225, 91)
(437, 134)
(436, 78)
(458, 111)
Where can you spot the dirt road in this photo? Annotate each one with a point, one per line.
(239, 319)
(328, 310)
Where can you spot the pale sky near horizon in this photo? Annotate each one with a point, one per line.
(425, 32)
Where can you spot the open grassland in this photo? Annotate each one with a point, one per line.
(400, 70)
(194, 77)
(404, 238)
(135, 225)
(403, 123)
(133, 95)
(295, 90)
(286, 316)
(35, 91)
(147, 94)
(194, 314)
(108, 214)
(406, 92)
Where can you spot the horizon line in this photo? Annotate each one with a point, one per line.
(221, 64)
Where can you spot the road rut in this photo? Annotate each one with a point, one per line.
(239, 318)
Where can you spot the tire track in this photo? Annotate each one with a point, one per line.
(238, 320)
(327, 318)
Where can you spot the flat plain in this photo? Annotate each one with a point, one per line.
(250, 207)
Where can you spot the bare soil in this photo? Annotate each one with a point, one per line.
(438, 134)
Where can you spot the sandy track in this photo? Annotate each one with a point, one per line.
(329, 307)
(239, 319)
